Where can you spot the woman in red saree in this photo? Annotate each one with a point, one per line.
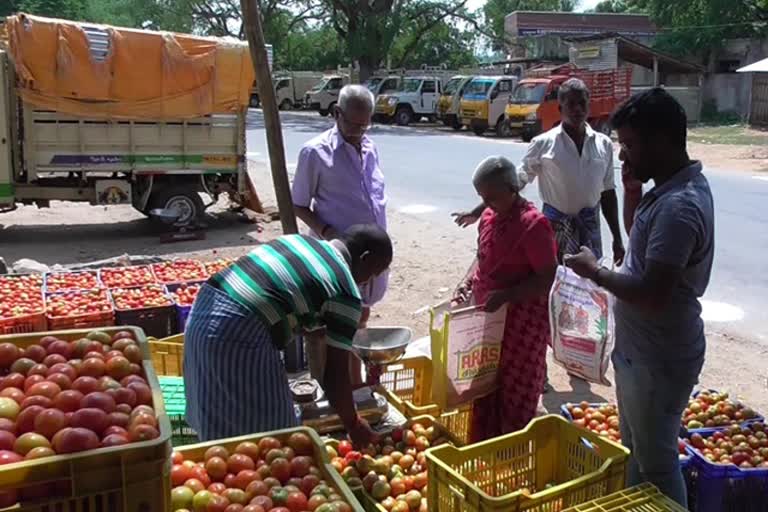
(515, 265)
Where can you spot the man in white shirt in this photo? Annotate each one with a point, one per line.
(574, 165)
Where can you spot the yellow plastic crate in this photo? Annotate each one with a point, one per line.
(196, 452)
(118, 479)
(546, 467)
(168, 355)
(369, 503)
(408, 387)
(641, 498)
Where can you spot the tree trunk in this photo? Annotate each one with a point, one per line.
(367, 68)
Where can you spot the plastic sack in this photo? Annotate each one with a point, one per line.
(581, 318)
(466, 351)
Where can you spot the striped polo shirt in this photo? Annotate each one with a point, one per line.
(296, 281)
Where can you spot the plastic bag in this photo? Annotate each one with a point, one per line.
(466, 351)
(581, 318)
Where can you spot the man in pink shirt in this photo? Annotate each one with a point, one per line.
(338, 181)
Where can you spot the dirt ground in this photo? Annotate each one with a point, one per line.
(429, 261)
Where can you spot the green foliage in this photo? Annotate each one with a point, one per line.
(445, 43)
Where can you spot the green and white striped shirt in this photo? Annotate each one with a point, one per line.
(296, 281)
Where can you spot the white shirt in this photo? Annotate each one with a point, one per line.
(568, 181)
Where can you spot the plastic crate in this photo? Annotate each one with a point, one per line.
(369, 502)
(408, 387)
(197, 451)
(549, 465)
(126, 478)
(19, 324)
(725, 487)
(176, 408)
(182, 311)
(81, 321)
(168, 355)
(162, 278)
(641, 498)
(158, 321)
(35, 322)
(52, 286)
(709, 430)
(139, 275)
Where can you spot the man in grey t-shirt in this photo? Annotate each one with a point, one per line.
(659, 332)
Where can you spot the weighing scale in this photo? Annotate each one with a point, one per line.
(376, 347)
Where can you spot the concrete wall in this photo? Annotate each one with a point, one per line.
(687, 96)
(729, 91)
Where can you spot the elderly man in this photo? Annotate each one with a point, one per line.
(660, 341)
(338, 182)
(574, 165)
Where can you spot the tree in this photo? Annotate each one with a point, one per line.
(611, 6)
(496, 10)
(446, 43)
(71, 9)
(693, 25)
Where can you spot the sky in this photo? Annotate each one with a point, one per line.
(583, 4)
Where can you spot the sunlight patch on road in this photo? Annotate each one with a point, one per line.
(417, 209)
(720, 312)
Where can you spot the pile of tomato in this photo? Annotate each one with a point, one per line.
(140, 297)
(77, 303)
(602, 419)
(261, 476)
(60, 397)
(122, 277)
(185, 294)
(21, 296)
(179, 271)
(216, 266)
(68, 281)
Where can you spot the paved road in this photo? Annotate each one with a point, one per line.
(428, 174)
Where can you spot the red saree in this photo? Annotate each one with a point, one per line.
(511, 248)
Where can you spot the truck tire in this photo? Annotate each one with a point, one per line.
(323, 113)
(502, 128)
(526, 136)
(286, 104)
(182, 198)
(254, 102)
(456, 123)
(403, 116)
(479, 130)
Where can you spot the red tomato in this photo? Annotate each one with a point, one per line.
(280, 469)
(296, 502)
(344, 448)
(180, 474)
(238, 462)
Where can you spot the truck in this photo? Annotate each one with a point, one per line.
(483, 103)
(416, 98)
(292, 87)
(534, 107)
(383, 84)
(165, 163)
(450, 99)
(325, 93)
(255, 102)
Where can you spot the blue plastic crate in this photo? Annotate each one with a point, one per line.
(725, 488)
(182, 312)
(175, 406)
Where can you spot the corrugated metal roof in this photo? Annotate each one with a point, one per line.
(760, 66)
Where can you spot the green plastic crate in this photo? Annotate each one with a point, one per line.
(175, 406)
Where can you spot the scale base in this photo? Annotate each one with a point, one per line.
(320, 416)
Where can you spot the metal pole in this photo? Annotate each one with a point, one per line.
(255, 35)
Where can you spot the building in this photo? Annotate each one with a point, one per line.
(725, 90)
(758, 98)
(650, 68)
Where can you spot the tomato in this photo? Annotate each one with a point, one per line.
(344, 448)
(280, 468)
(245, 477)
(239, 462)
(178, 271)
(217, 504)
(217, 468)
(180, 474)
(126, 276)
(257, 488)
(249, 449)
(353, 456)
(216, 451)
(264, 502)
(194, 484)
(140, 297)
(296, 502)
(269, 443)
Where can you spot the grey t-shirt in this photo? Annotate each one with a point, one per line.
(674, 224)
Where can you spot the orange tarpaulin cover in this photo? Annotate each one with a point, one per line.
(102, 71)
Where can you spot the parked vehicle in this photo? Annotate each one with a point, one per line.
(292, 87)
(383, 84)
(534, 106)
(416, 98)
(483, 103)
(324, 95)
(58, 148)
(255, 102)
(449, 103)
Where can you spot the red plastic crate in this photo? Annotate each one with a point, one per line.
(28, 287)
(158, 321)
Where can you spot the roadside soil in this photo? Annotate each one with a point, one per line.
(429, 261)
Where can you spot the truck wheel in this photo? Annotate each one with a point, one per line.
(184, 199)
(456, 124)
(254, 101)
(502, 128)
(479, 130)
(322, 112)
(403, 116)
(432, 119)
(286, 104)
(526, 136)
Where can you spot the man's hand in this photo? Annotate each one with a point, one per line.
(496, 299)
(584, 263)
(361, 434)
(464, 219)
(463, 293)
(618, 252)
